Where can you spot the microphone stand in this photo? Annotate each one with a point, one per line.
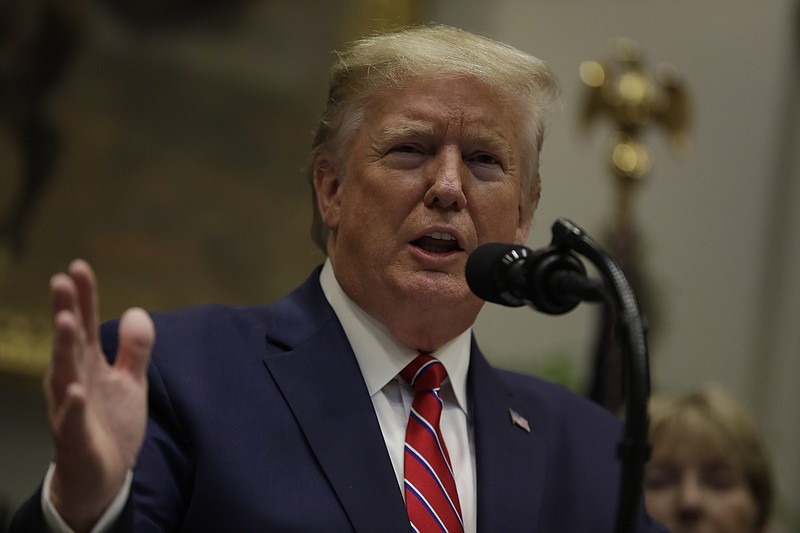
(634, 449)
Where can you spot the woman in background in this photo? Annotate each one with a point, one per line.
(709, 469)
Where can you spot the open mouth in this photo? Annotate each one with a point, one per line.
(438, 243)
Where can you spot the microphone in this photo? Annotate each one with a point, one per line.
(550, 280)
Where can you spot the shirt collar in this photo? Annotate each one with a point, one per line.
(380, 355)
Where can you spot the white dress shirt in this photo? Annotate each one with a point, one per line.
(381, 358)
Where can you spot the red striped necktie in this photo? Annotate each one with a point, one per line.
(430, 488)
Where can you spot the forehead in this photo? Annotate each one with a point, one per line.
(456, 106)
(698, 446)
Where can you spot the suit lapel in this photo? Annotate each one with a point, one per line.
(318, 375)
(325, 390)
(510, 461)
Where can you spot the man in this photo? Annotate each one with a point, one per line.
(293, 417)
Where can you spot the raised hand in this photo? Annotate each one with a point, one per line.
(97, 411)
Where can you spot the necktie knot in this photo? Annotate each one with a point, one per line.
(424, 373)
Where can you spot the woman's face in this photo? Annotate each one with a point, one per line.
(692, 488)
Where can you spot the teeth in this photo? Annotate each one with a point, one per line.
(441, 236)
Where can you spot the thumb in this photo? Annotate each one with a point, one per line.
(136, 338)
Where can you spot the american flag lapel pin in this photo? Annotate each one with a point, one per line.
(519, 420)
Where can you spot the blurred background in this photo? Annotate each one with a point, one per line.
(165, 140)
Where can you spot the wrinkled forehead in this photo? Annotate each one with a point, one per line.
(447, 105)
(489, 94)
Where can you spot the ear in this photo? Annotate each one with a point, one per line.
(327, 187)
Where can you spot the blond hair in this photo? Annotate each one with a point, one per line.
(709, 416)
(377, 64)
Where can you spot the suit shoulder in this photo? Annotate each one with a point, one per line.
(194, 322)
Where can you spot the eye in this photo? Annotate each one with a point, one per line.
(404, 156)
(721, 478)
(660, 478)
(486, 166)
(483, 158)
(406, 149)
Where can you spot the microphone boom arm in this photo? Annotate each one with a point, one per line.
(553, 280)
(634, 449)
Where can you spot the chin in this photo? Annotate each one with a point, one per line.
(434, 284)
(444, 296)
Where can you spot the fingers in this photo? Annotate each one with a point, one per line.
(86, 294)
(63, 294)
(64, 368)
(74, 311)
(136, 338)
(70, 423)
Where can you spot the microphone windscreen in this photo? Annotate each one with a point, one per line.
(485, 272)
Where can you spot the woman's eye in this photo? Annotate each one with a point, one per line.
(660, 478)
(721, 479)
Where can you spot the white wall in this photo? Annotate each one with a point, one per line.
(722, 229)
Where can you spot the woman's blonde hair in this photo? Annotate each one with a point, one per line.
(381, 63)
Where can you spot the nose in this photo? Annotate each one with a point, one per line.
(446, 190)
(690, 501)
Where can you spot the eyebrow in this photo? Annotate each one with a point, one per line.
(490, 136)
(406, 130)
(478, 132)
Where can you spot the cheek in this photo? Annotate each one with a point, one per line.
(737, 509)
(659, 504)
(496, 216)
(372, 207)
(370, 219)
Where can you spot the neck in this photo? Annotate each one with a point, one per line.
(425, 333)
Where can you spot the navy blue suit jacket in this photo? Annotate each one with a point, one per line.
(260, 421)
